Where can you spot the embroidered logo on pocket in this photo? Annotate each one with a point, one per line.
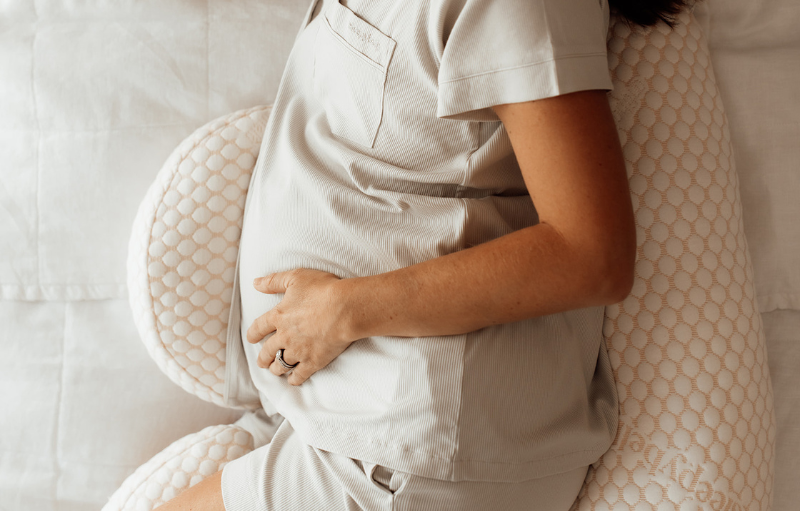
(351, 61)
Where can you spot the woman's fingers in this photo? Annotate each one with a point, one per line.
(299, 375)
(267, 354)
(267, 359)
(277, 369)
(260, 328)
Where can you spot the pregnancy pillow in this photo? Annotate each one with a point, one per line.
(687, 347)
(183, 248)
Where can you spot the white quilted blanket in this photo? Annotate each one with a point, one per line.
(95, 94)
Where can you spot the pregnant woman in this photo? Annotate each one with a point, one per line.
(438, 216)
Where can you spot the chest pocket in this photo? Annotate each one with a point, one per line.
(351, 59)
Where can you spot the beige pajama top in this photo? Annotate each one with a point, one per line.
(382, 152)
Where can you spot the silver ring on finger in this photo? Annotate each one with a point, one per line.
(281, 361)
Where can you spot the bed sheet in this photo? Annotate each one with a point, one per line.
(782, 330)
(755, 52)
(94, 95)
(82, 404)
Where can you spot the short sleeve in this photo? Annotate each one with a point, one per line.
(510, 51)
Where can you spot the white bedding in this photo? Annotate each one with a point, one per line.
(83, 404)
(94, 94)
(755, 50)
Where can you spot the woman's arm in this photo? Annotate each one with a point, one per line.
(581, 254)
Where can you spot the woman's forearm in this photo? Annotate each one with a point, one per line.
(530, 272)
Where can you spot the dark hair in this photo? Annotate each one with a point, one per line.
(648, 12)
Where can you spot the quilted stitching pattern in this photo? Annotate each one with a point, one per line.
(687, 347)
(181, 465)
(183, 250)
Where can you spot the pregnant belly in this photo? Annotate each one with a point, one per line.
(344, 231)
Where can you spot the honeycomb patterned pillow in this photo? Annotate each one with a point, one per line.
(181, 465)
(687, 348)
(183, 250)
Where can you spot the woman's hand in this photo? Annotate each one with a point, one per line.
(309, 323)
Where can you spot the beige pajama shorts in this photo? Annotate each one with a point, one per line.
(286, 475)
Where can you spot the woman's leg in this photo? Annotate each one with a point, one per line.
(204, 496)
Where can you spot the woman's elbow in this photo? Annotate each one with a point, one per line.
(620, 275)
(623, 288)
